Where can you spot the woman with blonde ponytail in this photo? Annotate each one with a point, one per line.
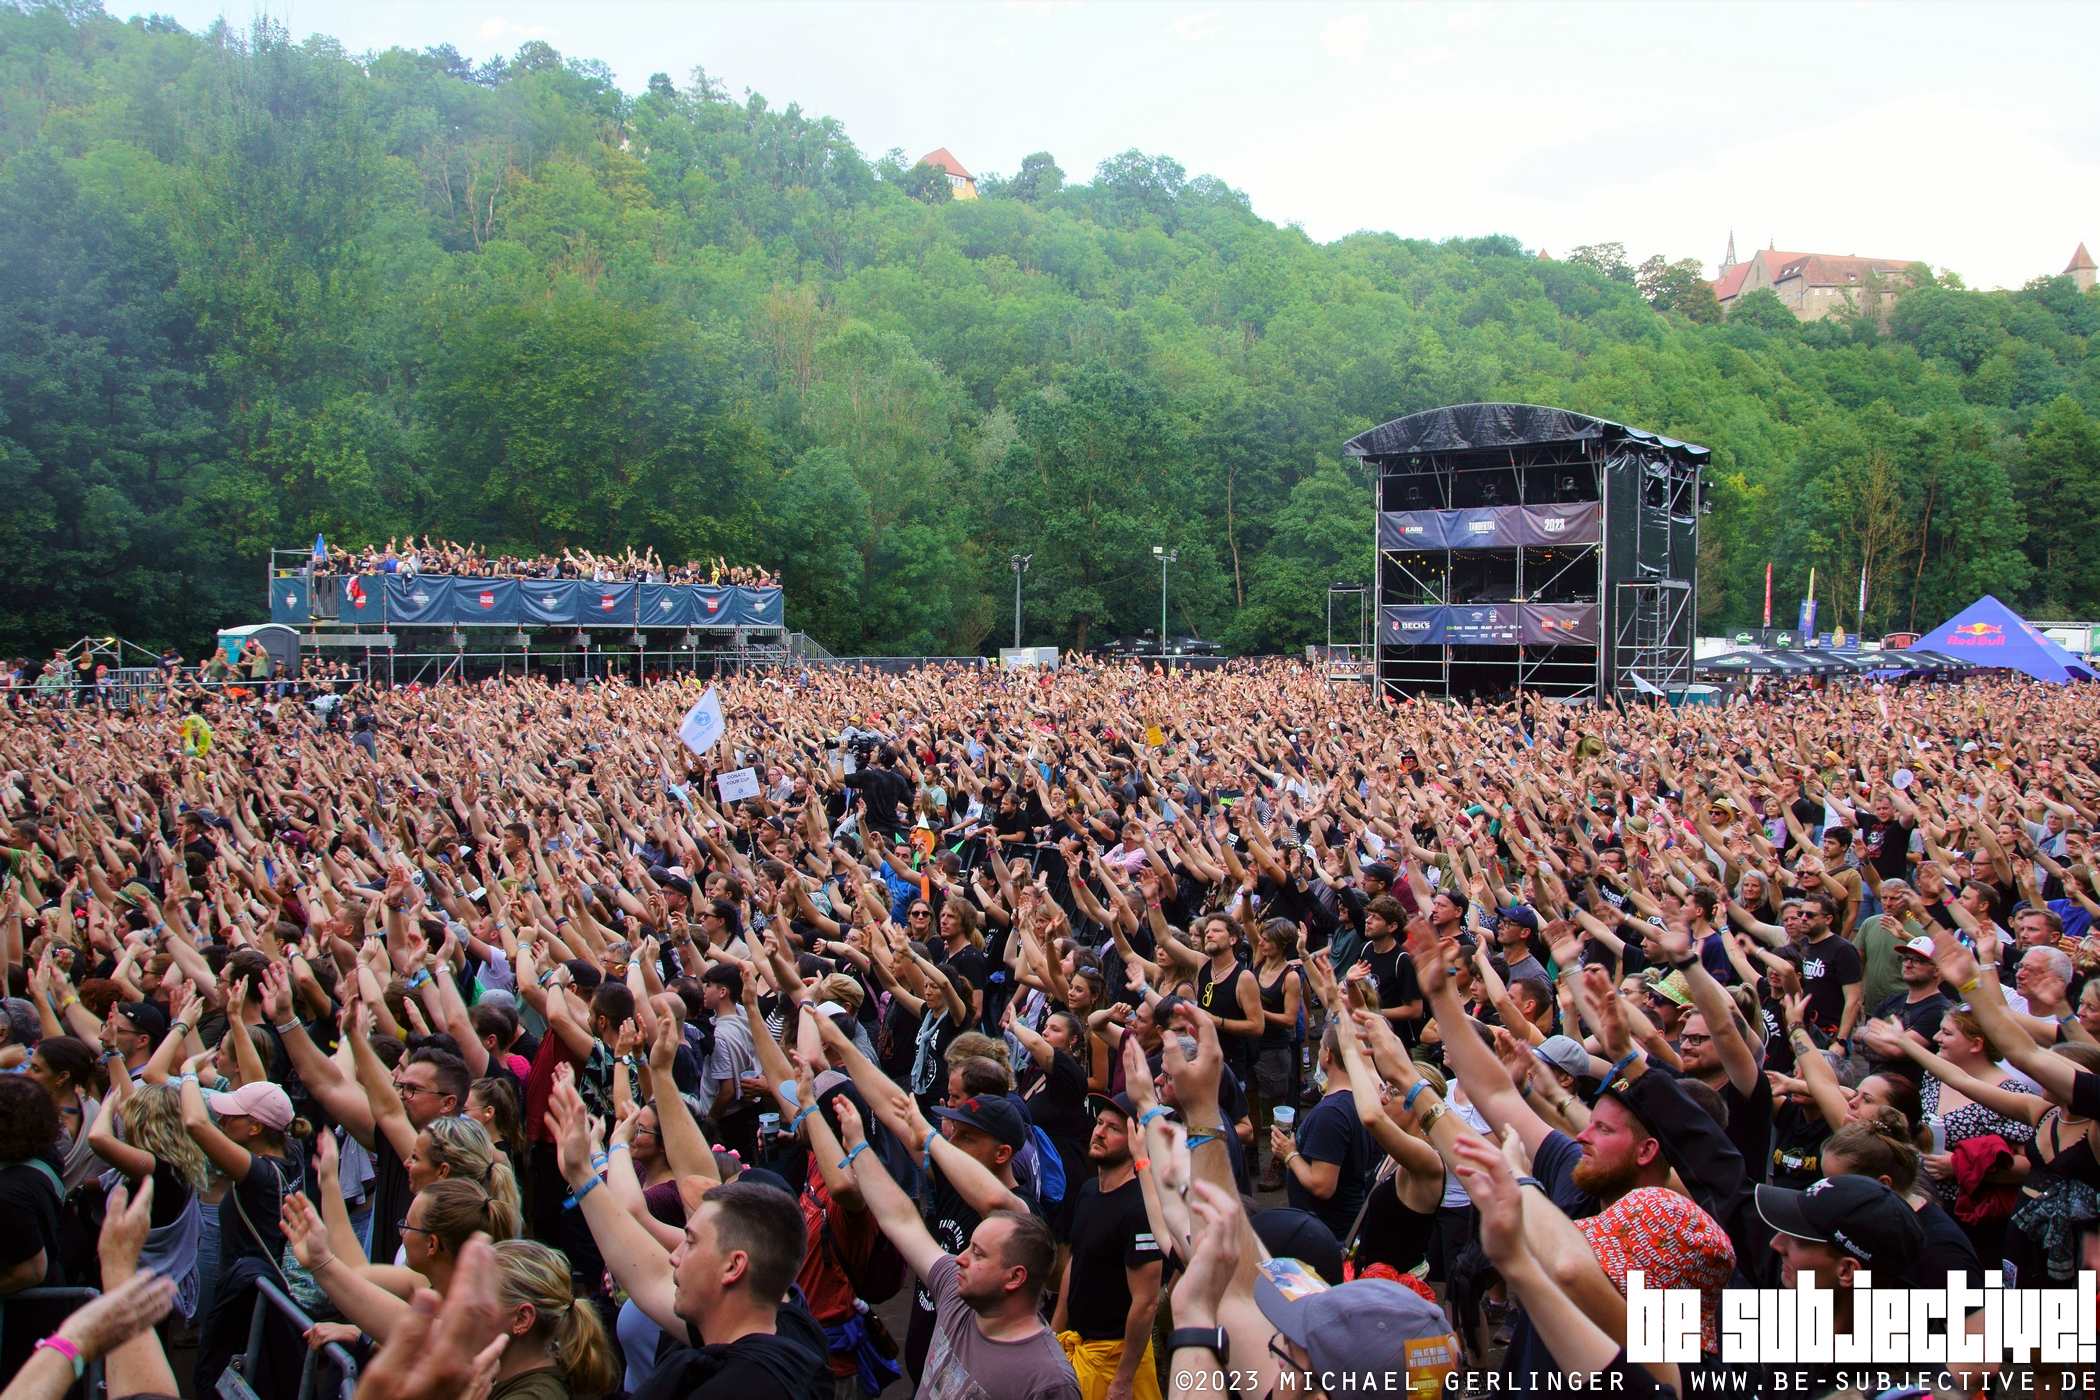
(558, 1349)
(459, 1148)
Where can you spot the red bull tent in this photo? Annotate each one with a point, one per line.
(1988, 633)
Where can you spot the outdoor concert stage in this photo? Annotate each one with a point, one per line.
(1528, 547)
(397, 625)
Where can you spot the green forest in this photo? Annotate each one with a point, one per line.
(257, 288)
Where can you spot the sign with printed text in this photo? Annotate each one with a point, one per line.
(738, 785)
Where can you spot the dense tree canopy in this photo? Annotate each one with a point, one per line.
(256, 289)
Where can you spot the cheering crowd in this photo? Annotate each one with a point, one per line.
(1151, 1034)
(406, 556)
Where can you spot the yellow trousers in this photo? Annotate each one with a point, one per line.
(1095, 1364)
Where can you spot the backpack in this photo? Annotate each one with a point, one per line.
(881, 1274)
(1049, 1168)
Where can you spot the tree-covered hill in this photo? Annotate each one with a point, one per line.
(254, 289)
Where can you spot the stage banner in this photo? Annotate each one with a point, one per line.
(1411, 529)
(1579, 522)
(665, 605)
(549, 602)
(760, 607)
(607, 604)
(362, 599)
(1483, 527)
(1550, 624)
(1495, 624)
(1411, 624)
(415, 601)
(291, 600)
(487, 601)
(714, 605)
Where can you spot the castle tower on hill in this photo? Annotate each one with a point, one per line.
(2081, 269)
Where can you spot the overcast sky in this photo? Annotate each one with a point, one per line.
(1958, 135)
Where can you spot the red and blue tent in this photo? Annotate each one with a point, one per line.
(1989, 633)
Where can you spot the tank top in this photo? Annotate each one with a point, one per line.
(1222, 998)
(1272, 1000)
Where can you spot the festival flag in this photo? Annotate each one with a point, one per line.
(1807, 627)
(703, 725)
(1768, 594)
(320, 547)
(1862, 599)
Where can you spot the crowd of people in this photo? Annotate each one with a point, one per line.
(404, 555)
(1092, 1032)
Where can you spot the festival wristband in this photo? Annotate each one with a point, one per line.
(575, 1197)
(1158, 1110)
(1619, 1065)
(1407, 1105)
(796, 1121)
(288, 1027)
(926, 1152)
(846, 1162)
(64, 1348)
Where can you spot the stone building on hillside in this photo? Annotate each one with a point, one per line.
(1815, 285)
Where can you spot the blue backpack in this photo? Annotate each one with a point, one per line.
(1049, 1168)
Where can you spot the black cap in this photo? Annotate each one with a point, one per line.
(1856, 1213)
(995, 1117)
(146, 1018)
(1379, 871)
(1114, 1103)
(1289, 1233)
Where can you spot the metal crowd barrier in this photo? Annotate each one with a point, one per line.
(73, 1298)
(235, 1380)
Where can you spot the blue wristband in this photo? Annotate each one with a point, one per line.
(616, 1147)
(1156, 1111)
(796, 1121)
(575, 1198)
(926, 1152)
(1407, 1105)
(1197, 1140)
(846, 1162)
(1618, 1066)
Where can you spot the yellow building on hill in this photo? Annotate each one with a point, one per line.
(960, 182)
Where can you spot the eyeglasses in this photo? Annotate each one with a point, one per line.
(404, 1227)
(921, 913)
(408, 1090)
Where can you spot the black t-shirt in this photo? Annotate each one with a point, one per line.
(1110, 1235)
(1827, 968)
(1750, 1124)
(1920, 1016)
(253, 1230)
(1887, 845)
(1394, 973)
(1947, 1251)
(1330, 1132)
(1059, 1106)
(29, 1203)
(785, 1364)
(390, 1195)
(1797, 1146)
(171, 1195)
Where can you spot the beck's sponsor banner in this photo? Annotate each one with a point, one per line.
(440, 600)
(1489, 624)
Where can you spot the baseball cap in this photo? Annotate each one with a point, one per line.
(995, 1117)
(145, 1018)
(1523, 915)
(1289, 1233)
(1361, 1331)
(1672, 1242)
(1564, 1053)
(1097, 1104)
(264, 1102)
(1856, 1213)
(1919, 947)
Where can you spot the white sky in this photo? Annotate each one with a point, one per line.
(1959, 135)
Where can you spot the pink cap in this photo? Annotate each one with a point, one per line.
(265, 1103)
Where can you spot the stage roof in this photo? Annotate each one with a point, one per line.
(1469, 426)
